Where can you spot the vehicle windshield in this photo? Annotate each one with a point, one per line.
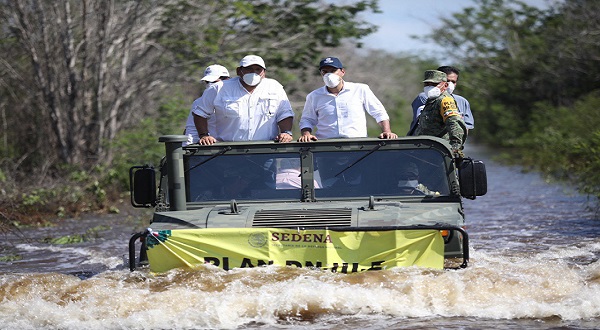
(269, 176)
(382, 173)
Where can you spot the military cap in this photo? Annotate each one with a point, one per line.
(434, 76)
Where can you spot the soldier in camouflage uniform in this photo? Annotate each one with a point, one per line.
(441, 117)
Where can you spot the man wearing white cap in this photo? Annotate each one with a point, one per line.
(213, 75)
(337, 110)
(247, 107)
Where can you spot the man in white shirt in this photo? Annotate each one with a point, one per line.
(337, 110)
(213, 74)
(247, 107)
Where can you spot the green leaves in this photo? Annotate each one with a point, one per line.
(288, 34)
(89, 235)
(532, 77)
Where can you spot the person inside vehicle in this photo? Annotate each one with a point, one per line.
(288, 174)
(408, 183)
(339, 173)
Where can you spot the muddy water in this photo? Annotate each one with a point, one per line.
(534, 264)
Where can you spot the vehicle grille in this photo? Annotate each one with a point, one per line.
(335, 217)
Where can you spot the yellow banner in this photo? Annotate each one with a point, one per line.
(344, 252)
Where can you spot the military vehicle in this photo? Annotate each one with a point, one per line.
(342, 205)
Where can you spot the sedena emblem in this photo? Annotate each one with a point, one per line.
(257, 240)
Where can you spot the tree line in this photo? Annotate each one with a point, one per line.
(533, 79)
(87, 86)
(76, 73)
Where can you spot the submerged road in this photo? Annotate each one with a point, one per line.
(534, 264)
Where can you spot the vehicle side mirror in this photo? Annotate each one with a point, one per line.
(142, 186)
(473, 178)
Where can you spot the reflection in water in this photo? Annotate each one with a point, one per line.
(534, 264)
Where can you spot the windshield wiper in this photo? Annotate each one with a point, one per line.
(381, 144)
(224, 150)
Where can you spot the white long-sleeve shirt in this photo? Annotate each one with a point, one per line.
(341, 116)
(243, 116)
(190, 127)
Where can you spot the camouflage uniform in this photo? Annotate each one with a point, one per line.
(441, 117)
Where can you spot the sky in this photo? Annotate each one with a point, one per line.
(402, 18)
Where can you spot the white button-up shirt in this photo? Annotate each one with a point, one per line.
(190, 126)
(341, 116)
(243, 116)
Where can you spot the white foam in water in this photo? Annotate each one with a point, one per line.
(493, 287)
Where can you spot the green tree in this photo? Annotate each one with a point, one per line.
(79, 72)
(533, 81)
(516, 55)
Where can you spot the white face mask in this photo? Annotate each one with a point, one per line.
(252, 79)
(331, 80)
(408, 183)
(451, 87)
(432, 92)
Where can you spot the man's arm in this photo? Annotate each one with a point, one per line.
(202, 109)
(285, 129)
(307, 121)
(201, 124)
(464, 107)
(456, 131)
(386, 132)
(454, 123)
(375, 108)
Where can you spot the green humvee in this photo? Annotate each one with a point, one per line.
(344, 205)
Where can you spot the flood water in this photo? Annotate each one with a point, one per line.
(534, 264)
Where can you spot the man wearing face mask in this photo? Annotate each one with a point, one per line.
(213, 75)
(463, 105)
(247, 107)
(337, 110)
(440, 116)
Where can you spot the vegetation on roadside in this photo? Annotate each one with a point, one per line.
(10, 258)
(85, 96)
(533, 79)
(89, 235)
(72, 193)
